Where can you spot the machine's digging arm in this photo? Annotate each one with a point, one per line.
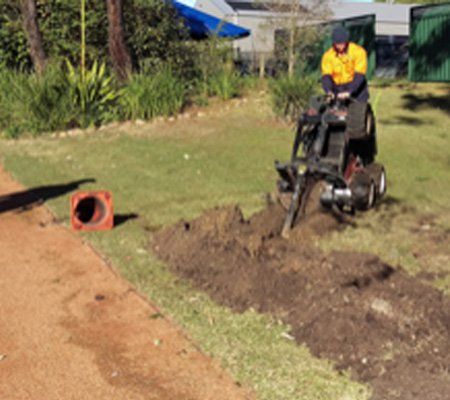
(293, 208)
(297, 141)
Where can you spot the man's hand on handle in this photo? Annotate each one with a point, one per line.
(343, 95)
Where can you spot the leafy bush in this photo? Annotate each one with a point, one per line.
(147, 96)
(213, 56)
(154, 34)
(290, 95)
(59, 23)
(217, 75)
(14, 51)
(157, 37)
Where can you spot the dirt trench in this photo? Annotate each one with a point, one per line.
(389, 329)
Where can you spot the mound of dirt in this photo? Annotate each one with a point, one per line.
(390, 329)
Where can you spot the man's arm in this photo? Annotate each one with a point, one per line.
(327, 70)
(360, 71)
(327, 83)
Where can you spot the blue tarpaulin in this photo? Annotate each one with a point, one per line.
(202, 25)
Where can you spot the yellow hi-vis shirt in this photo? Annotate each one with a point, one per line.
(342, 67)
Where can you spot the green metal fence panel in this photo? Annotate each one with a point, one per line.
(429, 48)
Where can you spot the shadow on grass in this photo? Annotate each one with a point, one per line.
(120, 219)
(391, 206)
(402, 120)
(389, 201)
(29, 198)
(415, 102)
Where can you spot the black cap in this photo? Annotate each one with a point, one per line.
(340, 35)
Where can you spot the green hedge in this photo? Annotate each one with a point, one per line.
(290, 95)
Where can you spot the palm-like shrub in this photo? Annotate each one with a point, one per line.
(93, 94)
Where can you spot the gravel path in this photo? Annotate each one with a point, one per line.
(71, 328)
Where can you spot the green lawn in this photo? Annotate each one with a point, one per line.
(165, 171)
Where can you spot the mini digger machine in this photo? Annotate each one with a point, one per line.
(335, 147)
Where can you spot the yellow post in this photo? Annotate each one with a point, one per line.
(83, 39)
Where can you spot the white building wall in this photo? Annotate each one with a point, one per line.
(262, 38)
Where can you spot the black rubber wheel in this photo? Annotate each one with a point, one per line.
(378, 174)
(371, 195)
(382, 184)
(363, 191)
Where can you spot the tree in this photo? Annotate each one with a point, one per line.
(299, 20)
(118, 50)
(31, 27)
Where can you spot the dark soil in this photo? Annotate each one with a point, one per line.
(390, 329)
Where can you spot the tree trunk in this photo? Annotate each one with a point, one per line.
(262, 65)
(118, 51)
(291, 52)
(31, 27)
